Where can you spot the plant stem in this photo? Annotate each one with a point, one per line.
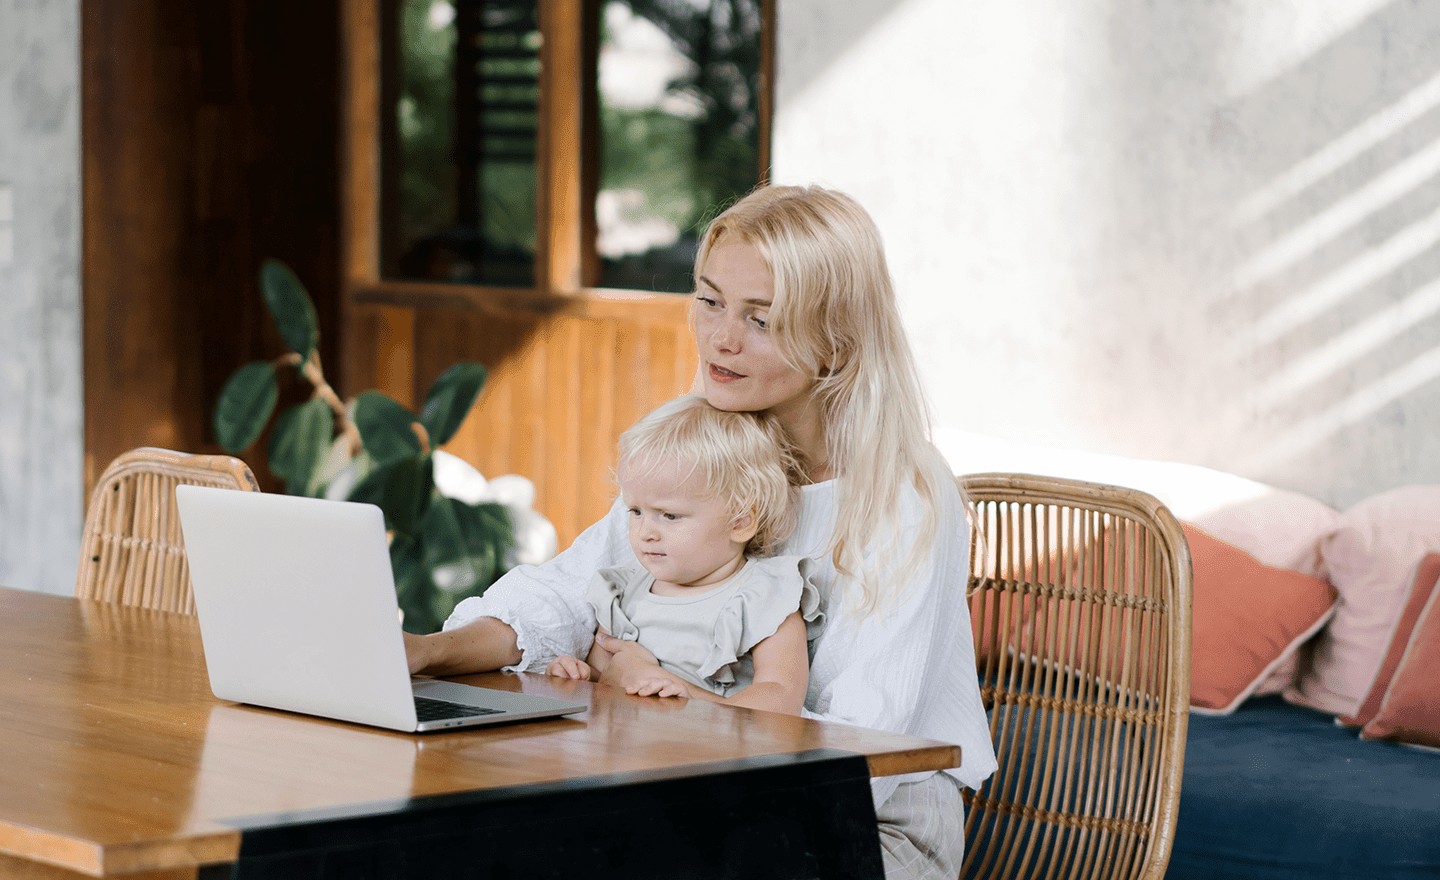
(310, 369)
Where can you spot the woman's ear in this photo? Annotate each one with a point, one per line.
(743, 528)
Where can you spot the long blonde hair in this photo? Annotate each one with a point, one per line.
(835, 318)
(743, 459)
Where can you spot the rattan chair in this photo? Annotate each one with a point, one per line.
(132, 551)
(1080, 599)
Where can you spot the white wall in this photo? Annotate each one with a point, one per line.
(41, 396)
(1202, 232)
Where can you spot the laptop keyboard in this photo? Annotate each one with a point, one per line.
(427, 709)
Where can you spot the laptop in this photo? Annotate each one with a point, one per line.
(298, 612)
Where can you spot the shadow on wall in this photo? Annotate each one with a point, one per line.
(1334, 310)
(840, 32)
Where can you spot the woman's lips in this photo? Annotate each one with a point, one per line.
(720, 374)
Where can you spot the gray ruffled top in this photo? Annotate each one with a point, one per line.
(706, 637)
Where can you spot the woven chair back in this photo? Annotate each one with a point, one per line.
(132, 552)
(1080, 603)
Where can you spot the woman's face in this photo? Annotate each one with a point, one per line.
(739, 362)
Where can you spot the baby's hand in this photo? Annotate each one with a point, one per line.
(657, 684)
(569, 667)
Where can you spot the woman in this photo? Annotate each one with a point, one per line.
(795, 315)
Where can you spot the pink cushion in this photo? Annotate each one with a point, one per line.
(1248, 618)
(1418, 596)
(1371, 559)
(1410, 711)
(1277, 527)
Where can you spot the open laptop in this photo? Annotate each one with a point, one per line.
(298, 611)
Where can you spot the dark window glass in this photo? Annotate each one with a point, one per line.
(679, 84)
(458, 202)
(675, 136)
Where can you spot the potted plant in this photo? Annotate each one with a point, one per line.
(445, 545)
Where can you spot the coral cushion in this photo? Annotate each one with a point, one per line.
(1371, 559)
(1410, 711)
(1422, 585)
(1248, 618)
(1280, 528)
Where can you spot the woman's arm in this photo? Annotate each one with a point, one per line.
(531, 615)
(482, 645)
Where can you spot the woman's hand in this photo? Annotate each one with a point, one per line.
(569, 667)
(632, 668)
(626, 653)
(417, 651)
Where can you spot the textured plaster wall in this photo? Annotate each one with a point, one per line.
(41, 425)
(1202, 232)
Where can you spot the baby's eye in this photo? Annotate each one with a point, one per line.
(634, 511)
(671, 516)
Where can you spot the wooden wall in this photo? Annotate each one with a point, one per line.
(562, 386)
(210, 140)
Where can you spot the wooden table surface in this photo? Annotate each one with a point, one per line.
(115, 757)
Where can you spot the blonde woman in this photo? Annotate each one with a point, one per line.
(795, 316)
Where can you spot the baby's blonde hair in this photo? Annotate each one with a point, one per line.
(743, 458)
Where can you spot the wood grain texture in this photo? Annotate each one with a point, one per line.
(118, 759)
(561, 387)
(209, 142)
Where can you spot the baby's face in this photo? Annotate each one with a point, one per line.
(678, 534)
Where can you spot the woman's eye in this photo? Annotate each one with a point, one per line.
(760, 322)
(708, 301)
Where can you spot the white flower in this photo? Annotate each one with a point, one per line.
(535, 539)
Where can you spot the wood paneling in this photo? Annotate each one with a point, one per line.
(570, 367)
(561, 389)
(210, 135)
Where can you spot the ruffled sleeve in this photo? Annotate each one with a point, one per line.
(773, 588)
(606, 595)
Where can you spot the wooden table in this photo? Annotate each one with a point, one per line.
(115, 759)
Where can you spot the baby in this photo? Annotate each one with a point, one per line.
(709, 495)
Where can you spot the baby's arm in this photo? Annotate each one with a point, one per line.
(782, 670)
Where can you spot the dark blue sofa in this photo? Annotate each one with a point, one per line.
(1278, 792)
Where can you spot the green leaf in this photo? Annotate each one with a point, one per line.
(385, 428)
(371, 488)
(291, 307)
(409, 485)
(465, 547)
(414, 590)
(300, 441)
(245, 405)
(450, 400)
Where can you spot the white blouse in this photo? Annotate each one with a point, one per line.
(909, 670)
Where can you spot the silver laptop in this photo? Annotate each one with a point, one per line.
(298, 611)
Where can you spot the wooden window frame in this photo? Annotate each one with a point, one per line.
(566, 266)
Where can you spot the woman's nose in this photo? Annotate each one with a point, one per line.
(725, 337)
